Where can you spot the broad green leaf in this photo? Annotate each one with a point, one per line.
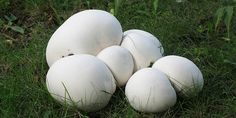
(155, 4)
(112, 11)
(88, 4)
(9, 23)
(229, 14)
(117, 5)
(210, 26)
(10, 18)
(226, 39)
(219, 14)
(17, 29)
(47, 114)
(230, 62)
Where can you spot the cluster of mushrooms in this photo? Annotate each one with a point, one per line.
(89, 57)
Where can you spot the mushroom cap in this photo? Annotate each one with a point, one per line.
(86, 32)
(144, 47)
(185, 76)
(81, 80)
(149, 90)
(120, 62)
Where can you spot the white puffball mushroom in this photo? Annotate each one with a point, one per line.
(144, 47)
(185, 76)
(120, 62)
(86, 32)
(81, 80)
(149, 90)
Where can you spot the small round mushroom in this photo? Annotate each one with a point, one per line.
(144, 47)
(81, 80)
(120, 62)
(149, 90)
(185, 76)
(86, 32)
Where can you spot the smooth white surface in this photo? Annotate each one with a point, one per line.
(183, 73)
(83, 79)
(144, 47)
(149, 90)
(86, 32)
(120, 62)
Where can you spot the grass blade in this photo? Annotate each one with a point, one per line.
(155, 5)
(17, 29)
(229, 13)
(219, 14)
(10, 18)
(117, 5)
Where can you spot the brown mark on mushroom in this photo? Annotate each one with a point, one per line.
(70, 54)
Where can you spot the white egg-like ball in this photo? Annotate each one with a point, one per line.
(149, 90)
(86, 32)
(183, 73)
(81, 80)
(120, 62)
(144, 47)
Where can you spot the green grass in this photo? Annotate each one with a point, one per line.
(185, 29)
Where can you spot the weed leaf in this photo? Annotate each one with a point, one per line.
(17, 29)
(10, 18)
(88, 4)
(47, 114)
(155, 5)
(230, 62)
(219, 14)
(117, 5)
(112, 11)
(229, 13)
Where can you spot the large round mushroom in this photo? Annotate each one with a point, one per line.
(87, 32)
(185, 76)
(81, 80)
(149, 90)
(120, 62)
(144, 47)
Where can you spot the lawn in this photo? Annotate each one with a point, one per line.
(187, 29)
